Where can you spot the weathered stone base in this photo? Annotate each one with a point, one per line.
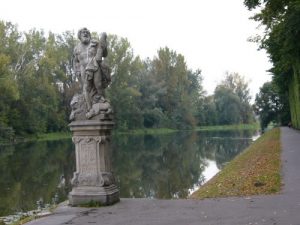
(84, 195)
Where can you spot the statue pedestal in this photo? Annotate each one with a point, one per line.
(93, 180)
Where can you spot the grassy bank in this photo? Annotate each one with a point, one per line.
(154, 131)
(254, 126)
(45, 137)
(147, 131)
(255, 171)
(54, 136)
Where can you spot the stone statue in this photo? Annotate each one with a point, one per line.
(91, 125)
(94, 76)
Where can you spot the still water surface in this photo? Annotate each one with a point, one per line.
(152, 166)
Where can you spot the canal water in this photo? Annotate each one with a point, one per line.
(145, 166)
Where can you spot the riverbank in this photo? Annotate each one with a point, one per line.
(282, 208)
(153, 131)
(51, 136)
(254, 126)
(38, 137)
(253, 172)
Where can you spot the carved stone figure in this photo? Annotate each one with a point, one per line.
(94, 76)
(91, 125)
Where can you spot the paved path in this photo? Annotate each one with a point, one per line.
(281, 209)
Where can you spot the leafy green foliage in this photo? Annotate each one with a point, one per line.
(281, 19)
(38, 82)
(207, 112)
(227, 105)
(269, 106)
(231, 99)
(176, 95)
(34, 73)
(8, 88)
(123, 92)
(154, 93)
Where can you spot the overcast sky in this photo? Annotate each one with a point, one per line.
(211, 34)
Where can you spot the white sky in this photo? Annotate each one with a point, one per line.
(211, 34)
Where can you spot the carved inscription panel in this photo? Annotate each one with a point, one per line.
(88, 158)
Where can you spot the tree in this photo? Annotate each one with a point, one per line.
(207, 112)
(196, 94)
(124, 92)
(232, 100)
(33, 68)
(227, 105)
(8, 85)
(171, 73)
(38, 82)
(268, 105)
(150, 89)
(8, 88)
(239, 87)
(56, 65)
(281, 19)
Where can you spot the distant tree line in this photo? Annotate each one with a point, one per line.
(37, 83)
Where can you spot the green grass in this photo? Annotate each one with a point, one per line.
(49, 136)
(253, 126)
(255, 171)
(24, 220)
(92, 204)
(147, 131)
(54, 136)
(153, 131)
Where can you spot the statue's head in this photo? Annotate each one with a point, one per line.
(84, 35)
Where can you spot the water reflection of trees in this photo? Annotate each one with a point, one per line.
(32, 171)
(223, 146)
(167, 166)
(157, 166)
(164, 166)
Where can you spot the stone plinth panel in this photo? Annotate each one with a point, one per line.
(93, 179)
